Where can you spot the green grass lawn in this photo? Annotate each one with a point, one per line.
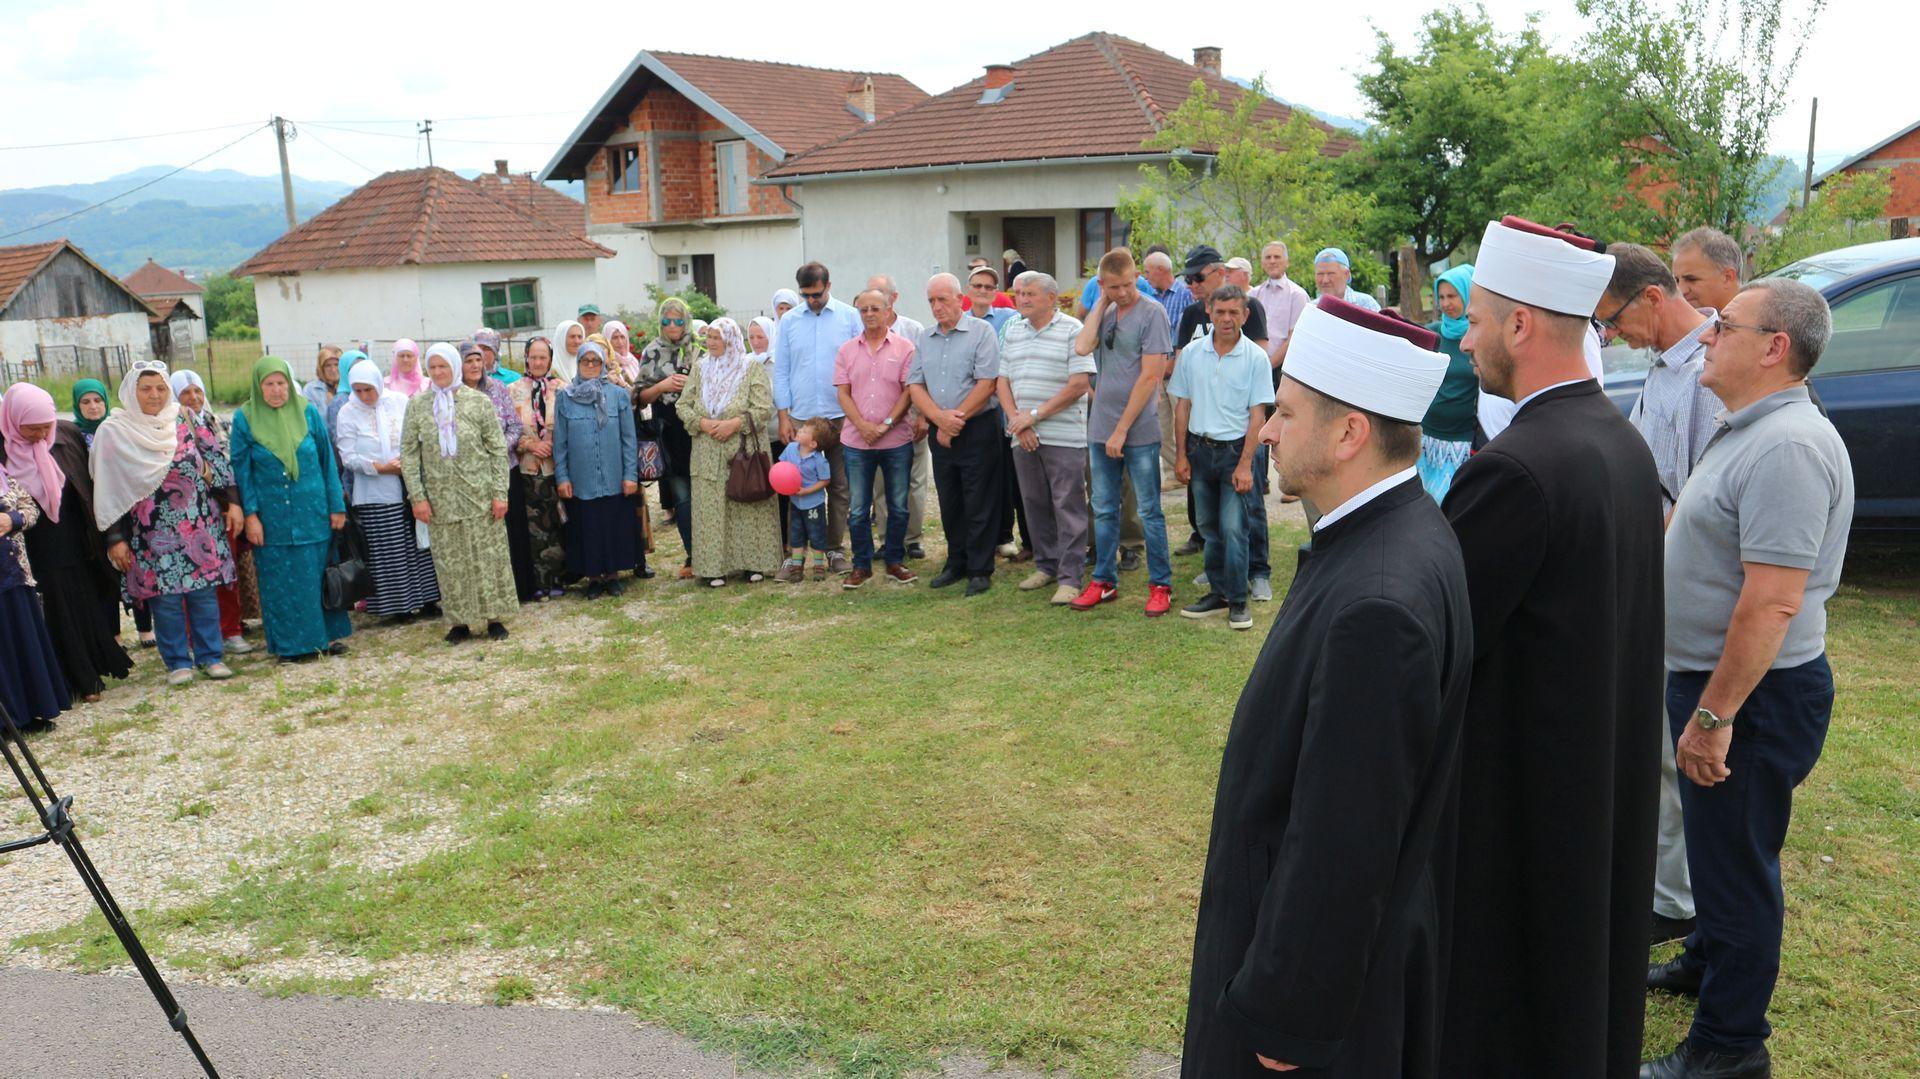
(865, 831)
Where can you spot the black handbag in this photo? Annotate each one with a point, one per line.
(346, 580)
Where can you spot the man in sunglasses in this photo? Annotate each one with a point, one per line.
(809, 340)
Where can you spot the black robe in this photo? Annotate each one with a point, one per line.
(1559, 523)
(1321, 936)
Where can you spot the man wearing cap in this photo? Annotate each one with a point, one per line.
(1559, 524)
(1333, 276)
(489, 342)
(1239, 273)
(983, 290)
(589, 318)
(1321, 940)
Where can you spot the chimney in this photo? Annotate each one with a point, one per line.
(998, 75)
(860, 98)
(1207, 59)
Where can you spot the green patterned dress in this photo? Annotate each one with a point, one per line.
(469, 545)
(729, 537)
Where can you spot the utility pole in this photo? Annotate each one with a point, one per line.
(1806, 185)
(282, 131)
(426, 128)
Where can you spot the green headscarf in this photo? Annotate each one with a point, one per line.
(84, 387)
(280, 430)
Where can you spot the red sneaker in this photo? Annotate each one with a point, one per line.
(1096, 593)
(1159, 600)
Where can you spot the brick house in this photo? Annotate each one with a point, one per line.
(670, 155)
(1899, 155)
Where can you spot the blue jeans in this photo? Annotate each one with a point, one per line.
(1257, 564)
(1222, 514)
(1735, 830)
(896, 467)
(1142, 465)
(807, 528)
(187, 628)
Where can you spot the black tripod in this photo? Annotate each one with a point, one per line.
(56, 814)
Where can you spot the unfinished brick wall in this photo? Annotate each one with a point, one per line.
(689, 169)
(1901, 161)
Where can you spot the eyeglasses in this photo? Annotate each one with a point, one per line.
(1608, 324)
(1725, 325)
(1113, 333)
(673, 322)
(814, 295)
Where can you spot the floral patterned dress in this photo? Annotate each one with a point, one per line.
(728, 536)
(469, 546)
(176, 534)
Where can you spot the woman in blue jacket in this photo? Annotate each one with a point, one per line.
(595, 464)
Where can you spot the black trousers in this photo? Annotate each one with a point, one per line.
(971, 482)
(1735, 830)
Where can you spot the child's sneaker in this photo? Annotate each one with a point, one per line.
(819, 571)
(790, 572)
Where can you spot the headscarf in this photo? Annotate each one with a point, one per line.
(280, 430)
(767, 326)
(32, 462)
(784, 296)
(564, 364)
(446, 399)
(1461, 278)
(596, 391)
(629, 364)
(697, 328)
(132, 451)
(186, 377)
(409, 383)
(365, 373)
(720, 376)
(82, 388)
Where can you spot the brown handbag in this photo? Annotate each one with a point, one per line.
(748, 471)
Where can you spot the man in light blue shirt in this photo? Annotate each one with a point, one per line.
(1333, 276)
(808, 339)
(1219, 389)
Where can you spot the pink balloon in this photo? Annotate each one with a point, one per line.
(785, 478)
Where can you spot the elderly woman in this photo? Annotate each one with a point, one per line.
(533, 535)
(367, 436)
(595, 465)
(489, 342)
(665, 365)
(784, 300)
(726, 395)
(79, 590)
(403, 376)
(241, 599)
(473, 375)
(1446, 432)
(283, 463)
(31, 685)
(567, 339)
(90, 406)
(326, 380)
(453, 456)
(155, 469)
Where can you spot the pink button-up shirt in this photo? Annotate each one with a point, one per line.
(876, 377)
(1283, 303)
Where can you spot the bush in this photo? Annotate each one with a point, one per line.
(236, 332)
(230, 306)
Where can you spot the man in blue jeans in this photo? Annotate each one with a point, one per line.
(870, 377)
(1220, 390)
(1753, 551)
(1129, 341)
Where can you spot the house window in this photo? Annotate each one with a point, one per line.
(731, 159)
(509, 305)
(623, 169)
(1100, 232)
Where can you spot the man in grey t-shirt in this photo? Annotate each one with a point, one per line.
(1753, 551)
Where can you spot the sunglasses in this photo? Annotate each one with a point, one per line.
(1113, 333)
(814, 295)
(673, 322)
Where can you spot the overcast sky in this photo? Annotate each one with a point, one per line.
(356, 76)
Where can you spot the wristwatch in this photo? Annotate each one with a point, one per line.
(888, 422)
(1033, 413)
(1710, 722)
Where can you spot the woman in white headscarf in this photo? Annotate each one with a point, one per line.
(453, 458)
(240, 600)
(155, 470)
(567, 339)
(784, 300)
(367, 435)
(724, 403)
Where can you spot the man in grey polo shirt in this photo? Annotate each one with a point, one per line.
(1676, 415)
(1753, 550)
(951, 382)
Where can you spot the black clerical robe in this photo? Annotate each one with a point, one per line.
(1559, 522)
(1321, 937)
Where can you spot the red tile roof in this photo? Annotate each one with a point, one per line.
(418, 217)
(154, 279)
(166, 308)
(531, 197)
(19, 264)
(1095, 96)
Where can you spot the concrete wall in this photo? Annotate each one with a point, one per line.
(749, 263)
(18, 338)
(906, 226)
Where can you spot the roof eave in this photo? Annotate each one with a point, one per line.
(661, 71)
(976, 166)
(1868, 152)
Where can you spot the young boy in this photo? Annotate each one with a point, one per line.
(807, 521)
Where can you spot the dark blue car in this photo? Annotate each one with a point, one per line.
(1869, 378)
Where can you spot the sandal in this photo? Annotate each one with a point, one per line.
(686, 573)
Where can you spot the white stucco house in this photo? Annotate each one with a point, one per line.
(419, 253)
(62, 316)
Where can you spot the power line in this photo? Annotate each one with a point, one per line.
(115, 198)
(454, 119)
(338, 153)
(127, 138)
(398, 135)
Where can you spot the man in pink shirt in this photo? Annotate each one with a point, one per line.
(870, 373)
(1282, 301)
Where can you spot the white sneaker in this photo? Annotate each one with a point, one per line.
(237, 646)
(1200, 581)
(219, 672)
(1260, 589)
(181, 677)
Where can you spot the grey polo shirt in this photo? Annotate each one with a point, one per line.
(949, 362)
(1775, 486)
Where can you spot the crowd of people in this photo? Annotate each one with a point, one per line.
(1457, 757)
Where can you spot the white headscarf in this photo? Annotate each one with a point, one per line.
(720, 376)
(785, 296)
(767, 326)
(383, 412)
(132, 451)
(564, 364)
(187, 377)
(446, 399)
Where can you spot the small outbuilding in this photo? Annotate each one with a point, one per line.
(62, 316)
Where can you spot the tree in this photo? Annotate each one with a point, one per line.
(1446, 124)
(1265, 180)
(230, 307)
(1842, 212)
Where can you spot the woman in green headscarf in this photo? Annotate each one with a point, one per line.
(90, 406)
(1446, 433)
(289, 484)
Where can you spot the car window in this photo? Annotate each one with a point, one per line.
(1875, 329)
(1624, 363)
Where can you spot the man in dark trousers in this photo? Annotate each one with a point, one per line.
(1321, 942)
(1559, 523)
(951, 381)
